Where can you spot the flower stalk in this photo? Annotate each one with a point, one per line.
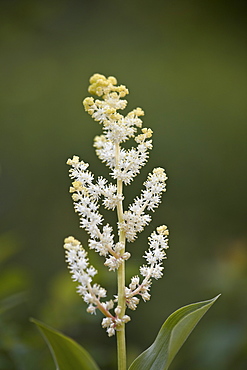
(121, 341)
(87, 192)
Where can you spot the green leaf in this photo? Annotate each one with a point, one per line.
(67, 354)
(171, 337)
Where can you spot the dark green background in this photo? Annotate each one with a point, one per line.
(184, 63)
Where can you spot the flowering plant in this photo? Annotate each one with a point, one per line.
(87, 192)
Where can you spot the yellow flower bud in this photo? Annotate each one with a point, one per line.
(96, 77)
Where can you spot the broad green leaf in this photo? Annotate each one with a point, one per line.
(67, 354)
(171, 337)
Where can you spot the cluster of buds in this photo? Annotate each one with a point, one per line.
(89, 193)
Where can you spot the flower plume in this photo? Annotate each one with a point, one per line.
(88, 193)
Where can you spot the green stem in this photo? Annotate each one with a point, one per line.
(121, 343)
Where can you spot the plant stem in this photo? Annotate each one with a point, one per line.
(121, 343)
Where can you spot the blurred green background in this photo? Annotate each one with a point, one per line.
(184, 63)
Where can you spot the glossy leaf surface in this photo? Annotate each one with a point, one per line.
(171, 337)
(67, 354)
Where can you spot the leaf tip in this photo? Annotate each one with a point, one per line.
(216, 297)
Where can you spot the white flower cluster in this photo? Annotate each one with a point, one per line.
(78, 264)
(130, 161)
(117, 129)
(158, 242)
(88, 192)
(86, 196)
(114, 323)
(135, 219)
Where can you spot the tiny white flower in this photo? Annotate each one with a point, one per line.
(118, 310)
(126, 319)
(111, 332)
(106, 322)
